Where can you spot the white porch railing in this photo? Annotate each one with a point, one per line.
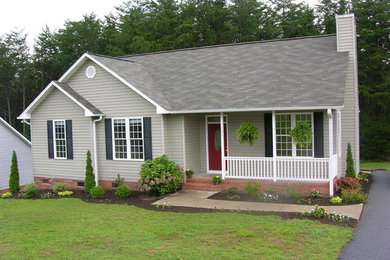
(281, 168)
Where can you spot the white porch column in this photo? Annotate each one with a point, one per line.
(222, 130)
(331, 165)
(274, 144)
(339, 152)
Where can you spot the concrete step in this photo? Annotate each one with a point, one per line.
(201, 186)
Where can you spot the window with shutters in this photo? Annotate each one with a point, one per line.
(59, 136)
(284, 144)
(127, 138)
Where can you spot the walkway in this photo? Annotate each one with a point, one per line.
(198, 199)
(372, 236)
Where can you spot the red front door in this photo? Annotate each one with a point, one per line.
(214, 146)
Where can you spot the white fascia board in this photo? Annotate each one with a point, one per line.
(81, 60)
(250, 109)
(15, 131)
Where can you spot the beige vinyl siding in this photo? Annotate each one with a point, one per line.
(57, 106)
(192, 142)
(115, 100)
(174, 138)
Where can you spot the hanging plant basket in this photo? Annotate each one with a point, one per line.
(247, 133)
(301, 134)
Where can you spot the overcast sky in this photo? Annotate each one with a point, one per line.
(33, 15)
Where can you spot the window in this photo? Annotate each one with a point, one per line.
(59, 139)
(284, 145)
(128, 139)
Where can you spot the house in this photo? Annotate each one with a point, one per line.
(189, 103)
(11, 140)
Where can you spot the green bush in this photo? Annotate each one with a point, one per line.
(336, 200)
(65, 193)
(159, 176)
(97, 192)
(353, 195)
(122, 191)
(47, 195)
(294, 191)
(30, 191)
(362, 176)
(118, 181)
(315, 194)
(59, 186)
(89, 176)
(233, 193)
(319, 212)
(6, 195)
(350, 170)
(252, 189)
(14, 175)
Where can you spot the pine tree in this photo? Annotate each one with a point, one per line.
(89, 176)
(350, 171)
(14, 175)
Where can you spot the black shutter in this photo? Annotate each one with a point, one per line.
(108, 127)
(318, 134)
(50, 138)
(148, 138)
(268, 135)
(69, 139)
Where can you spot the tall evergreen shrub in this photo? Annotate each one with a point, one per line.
(350, 171)
(89, 176)
(14, 175)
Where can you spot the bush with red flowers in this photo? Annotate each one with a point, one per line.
(348, 183)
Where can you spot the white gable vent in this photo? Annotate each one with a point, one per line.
(90, 72)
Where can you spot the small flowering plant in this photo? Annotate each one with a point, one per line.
(348, 183)
(189, 173)
(336, 200)
(217, 180)
(315, 194)
(317, 212)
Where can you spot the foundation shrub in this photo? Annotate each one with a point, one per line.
(252, 189)
(354, 196)
(233, 193)
(97, 192)
(118, 181)
(348, 183)
(122, 191)
(294, 191)
(14, 175)
(59, 186)
(30, 191)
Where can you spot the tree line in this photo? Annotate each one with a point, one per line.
(156, 25)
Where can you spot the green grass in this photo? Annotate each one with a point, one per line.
(368, 165)
(72, 229)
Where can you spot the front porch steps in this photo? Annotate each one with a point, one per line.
(206, 184)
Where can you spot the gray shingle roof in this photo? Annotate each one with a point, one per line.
(79, 98)
(292, 73)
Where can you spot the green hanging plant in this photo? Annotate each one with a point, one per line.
(247, 133)
(301, 134)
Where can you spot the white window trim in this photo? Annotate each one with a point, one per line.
(55, 140)
(207, 141)
(293, 123)
(128, 151)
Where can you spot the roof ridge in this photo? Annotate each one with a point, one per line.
(221, 45)
(109, 57)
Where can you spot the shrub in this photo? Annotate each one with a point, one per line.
(336, 200)
(30, 191)
(217, 180)
(315, 194)
(252, 189)
(97, 192)
(269, 194)
(89, 176)
(14, 175)
(350, 170)
(294, 191)
(159, 176)
(122, 191)
(362, 176)
(317, 212)
(65, 193)
(6, 195)
(348, 183)
(118, 181)
(59, 186)
(233, 193)
(47, 195)
(247, 133)
(354, 196)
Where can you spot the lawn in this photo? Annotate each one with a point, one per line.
(369, 165)
(71, 228)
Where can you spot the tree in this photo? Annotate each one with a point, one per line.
(326, 13)
(350, 170)
(14, 175)
(89, 176)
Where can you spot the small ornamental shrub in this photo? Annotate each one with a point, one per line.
(97, 192)
(294, 191)
(30, 191)
(59, 186)
(354, 196)
(89, 176)
(247, 133)
(339, 218)
(159, 176)
(363, 177)
(189, 173)
(65, 193)
(350, 170)
(319, 212)
(269, 194)
(233, 193)
(14, 175)
(118, 181)
(6, 195)
(47, 195)
(301, 134)
(217, 180)
(348, 183)
(122, 191)
(252, 189)
(315, 194)
(304, 201)
(336, 200)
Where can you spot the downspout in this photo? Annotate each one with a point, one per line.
(95, 164)
(25, 122)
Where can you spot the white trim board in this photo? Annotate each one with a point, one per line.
(207, 143)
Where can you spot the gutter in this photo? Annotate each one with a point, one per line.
(95, 163)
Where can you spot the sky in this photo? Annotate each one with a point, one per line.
(33, 15)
